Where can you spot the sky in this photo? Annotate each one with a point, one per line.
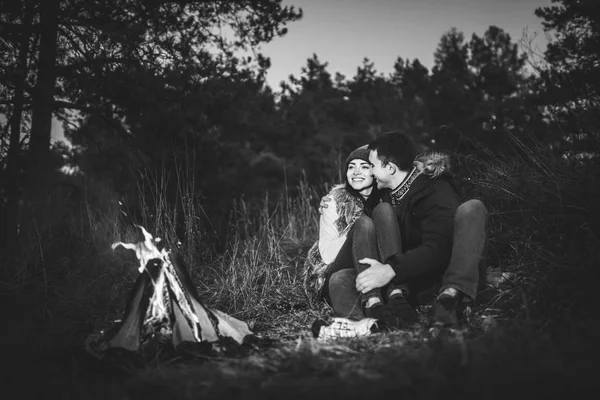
(343, 32)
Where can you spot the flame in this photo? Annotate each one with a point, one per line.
(146, 250)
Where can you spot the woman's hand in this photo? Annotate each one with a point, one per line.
(323, 205)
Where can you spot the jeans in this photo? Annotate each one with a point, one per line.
(467, 269)
(378, 237)
(340, 281)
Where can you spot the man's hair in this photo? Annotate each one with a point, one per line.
(395, 147)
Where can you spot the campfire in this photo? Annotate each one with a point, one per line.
(164, 301)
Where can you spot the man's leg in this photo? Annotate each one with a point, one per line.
(467, 266)
(389, 242)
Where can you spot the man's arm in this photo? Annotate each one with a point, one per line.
(437, 228)
(376, 276)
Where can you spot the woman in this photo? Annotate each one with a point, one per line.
(332, 260)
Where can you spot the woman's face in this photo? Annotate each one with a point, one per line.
(359, 174)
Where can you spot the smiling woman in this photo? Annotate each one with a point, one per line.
(334, 251)
(360, 176)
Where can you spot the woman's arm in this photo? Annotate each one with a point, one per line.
(330, 239)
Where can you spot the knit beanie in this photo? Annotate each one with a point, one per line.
(361, 153)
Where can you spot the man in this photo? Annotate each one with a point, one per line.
(425, 236)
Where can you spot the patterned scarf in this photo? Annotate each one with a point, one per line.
(397, 195)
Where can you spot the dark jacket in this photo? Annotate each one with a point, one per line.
(426, 219)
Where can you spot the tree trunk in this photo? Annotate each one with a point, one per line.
(38, 165)
(41, 123)
(9, 231)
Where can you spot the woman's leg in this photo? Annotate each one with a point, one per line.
(389, 239)
(340, 283)
(339, 289)
(343, 297)
(364, 245)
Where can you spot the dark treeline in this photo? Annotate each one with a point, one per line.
(152, 89)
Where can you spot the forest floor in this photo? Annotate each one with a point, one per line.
(494, 356)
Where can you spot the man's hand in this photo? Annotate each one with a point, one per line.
(324, 200)
(376, 276)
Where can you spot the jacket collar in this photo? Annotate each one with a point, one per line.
(429, 166)
(433, 164)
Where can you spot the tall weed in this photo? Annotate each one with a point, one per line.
(543, 226)
(261, 271)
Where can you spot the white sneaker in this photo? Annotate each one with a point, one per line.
(346, 328)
